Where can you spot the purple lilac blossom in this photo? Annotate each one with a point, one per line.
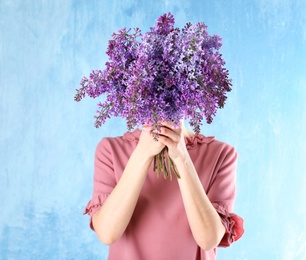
(167, 74)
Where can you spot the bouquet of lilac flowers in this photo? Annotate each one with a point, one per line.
(167, 74)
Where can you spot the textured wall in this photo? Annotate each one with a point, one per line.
(47, 141)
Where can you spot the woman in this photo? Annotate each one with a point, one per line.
(144, 217)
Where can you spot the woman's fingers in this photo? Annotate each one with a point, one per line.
(173, 134)
(167, 133)
(171, 125)
(148, 145)
(167, 124)
(147, 128)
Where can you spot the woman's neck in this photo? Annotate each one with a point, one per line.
(187, 133)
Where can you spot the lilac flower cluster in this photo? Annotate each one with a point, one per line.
(167, 74)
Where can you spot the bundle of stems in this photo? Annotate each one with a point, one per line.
(164, 164)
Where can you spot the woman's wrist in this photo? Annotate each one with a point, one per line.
(184, 165)
(143, 154)
(182, 157)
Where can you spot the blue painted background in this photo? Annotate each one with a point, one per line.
(47, 140)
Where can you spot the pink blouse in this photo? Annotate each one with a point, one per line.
(159, 227)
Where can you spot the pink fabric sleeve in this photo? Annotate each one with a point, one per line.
(222, 195)
(104, 180)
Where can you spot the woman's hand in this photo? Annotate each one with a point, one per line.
(147, 145)
(173, 138)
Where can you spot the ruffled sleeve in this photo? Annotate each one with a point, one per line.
(233, 226)
(222, 191)
(93, 207)
(104, 180)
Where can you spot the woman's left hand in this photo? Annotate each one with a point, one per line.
(173, 138)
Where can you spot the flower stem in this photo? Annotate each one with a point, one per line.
(164, 164)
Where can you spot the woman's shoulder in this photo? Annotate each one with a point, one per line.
(197, 140)
(209, 144)
(200, 139)
(127, 136)
(120, 141)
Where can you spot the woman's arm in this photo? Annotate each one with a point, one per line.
(113, 217)
(204, 221)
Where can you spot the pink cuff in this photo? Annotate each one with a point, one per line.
(93, 206)
(233, 225)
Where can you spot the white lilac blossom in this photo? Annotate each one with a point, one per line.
(167, 74)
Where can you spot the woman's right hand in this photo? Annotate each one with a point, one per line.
(147, 145)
